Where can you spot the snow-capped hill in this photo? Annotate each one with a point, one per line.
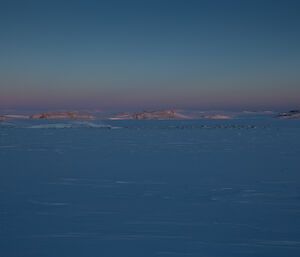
(293, 114)
(62, 115)
(152, 115)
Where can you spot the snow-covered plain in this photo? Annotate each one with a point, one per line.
(199, 188)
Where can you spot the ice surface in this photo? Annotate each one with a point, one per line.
(153, 188)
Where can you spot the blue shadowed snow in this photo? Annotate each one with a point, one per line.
(208, 188)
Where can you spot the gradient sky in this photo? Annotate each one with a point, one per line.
(150, 53)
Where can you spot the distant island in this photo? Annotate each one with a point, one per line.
(293, 114)
(152, 115)
(74, 115)
(168, 114)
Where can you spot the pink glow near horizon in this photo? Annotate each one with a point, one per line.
(31, 98)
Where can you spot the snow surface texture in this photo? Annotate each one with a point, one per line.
(211, 188)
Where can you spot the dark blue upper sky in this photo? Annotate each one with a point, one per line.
(150, 53)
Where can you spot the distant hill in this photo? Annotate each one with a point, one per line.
(13, 116)
(152, 115)
(217, 117)
(293, 114)
(62, 115)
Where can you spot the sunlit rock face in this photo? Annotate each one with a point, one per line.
(217, 117)
(293, 114)
(10, 116)
(62, 115)
(152, 115)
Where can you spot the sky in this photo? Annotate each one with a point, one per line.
(150, 54)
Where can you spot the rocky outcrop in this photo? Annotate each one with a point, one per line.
(293, 114)
(152, 115)
(61, 115)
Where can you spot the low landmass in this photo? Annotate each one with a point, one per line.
(146, 115)
(217, 117)
(13, 116)
(62, 115)
(257, 112)
(152, 115)
(293, 114)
